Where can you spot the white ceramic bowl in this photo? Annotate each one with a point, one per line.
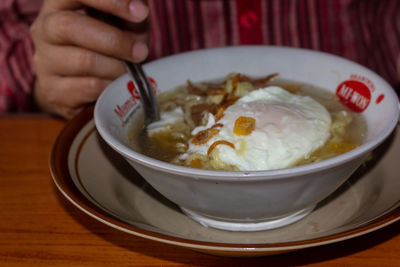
(251, 200)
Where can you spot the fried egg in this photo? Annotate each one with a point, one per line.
(269, 128)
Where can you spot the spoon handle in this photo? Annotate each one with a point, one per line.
(146, 92)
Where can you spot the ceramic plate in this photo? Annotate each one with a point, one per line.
(100, 183)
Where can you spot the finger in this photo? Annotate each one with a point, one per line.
(80, 90)
(140, 37)
(131, 10)
(59, 108)
(42, 100)
(71, 92)
(75, 61)
(68, 27)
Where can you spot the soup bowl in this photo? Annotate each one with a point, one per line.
(250, 200)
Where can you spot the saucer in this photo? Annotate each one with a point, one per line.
(100, 183)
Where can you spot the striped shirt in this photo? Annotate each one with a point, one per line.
(367, 32)
(16, 51)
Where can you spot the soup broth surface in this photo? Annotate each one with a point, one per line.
(197, 101)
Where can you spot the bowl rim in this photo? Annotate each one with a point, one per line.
(286, 173)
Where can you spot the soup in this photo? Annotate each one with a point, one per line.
(243, 123)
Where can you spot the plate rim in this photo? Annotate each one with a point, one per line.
(58, 165)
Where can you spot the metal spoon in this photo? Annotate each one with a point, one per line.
(146, 93)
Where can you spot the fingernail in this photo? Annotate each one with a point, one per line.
(139, 51)
(139, 10)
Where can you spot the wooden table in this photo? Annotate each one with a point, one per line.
(39, 227)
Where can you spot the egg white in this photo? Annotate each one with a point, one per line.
(288, 128)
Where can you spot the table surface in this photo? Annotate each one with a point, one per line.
(39, 227)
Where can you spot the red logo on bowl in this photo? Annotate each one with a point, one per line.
(134, 92)
(354, 94)
(123, 111)
(380, 98)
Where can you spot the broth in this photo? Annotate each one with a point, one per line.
(348, 129)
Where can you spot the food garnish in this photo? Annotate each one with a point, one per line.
(197, 111)
(203, 136)
(259, 83)
(195, 164)
(244, 126)
(223, 106)
(219, 142)
(217, 125)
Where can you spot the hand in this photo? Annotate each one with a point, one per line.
(76, 55)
